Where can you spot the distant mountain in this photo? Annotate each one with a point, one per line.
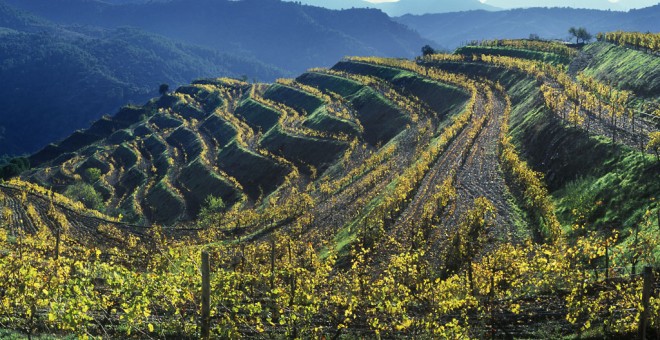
(591, 4)
(285, 34)
(418, 7)
(57, 80)
(453, 29)
(405, 6)
(88, 63)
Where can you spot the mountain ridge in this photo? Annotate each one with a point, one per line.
(405, 6)
(247, 25)
(454, 29)
(128, 64)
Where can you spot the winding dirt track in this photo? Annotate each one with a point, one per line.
(476, 167)
(480, 176)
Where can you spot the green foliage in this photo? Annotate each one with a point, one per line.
(92, 175)
(654, 144)
(580, 34)
(163, 88)
(14, 167)
(213, 205)
(85, 193)
(427, 50)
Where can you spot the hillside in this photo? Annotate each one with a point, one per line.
(315, 36)
(631, 70)
(77, 75)
(454, 29)
(503, 194)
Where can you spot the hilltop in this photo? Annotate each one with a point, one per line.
(507, 190)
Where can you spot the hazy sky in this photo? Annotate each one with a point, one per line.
(599, 4)
(401, 7)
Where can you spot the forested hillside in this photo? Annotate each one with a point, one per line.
(315, 36)
(89, 63)
(57, 80)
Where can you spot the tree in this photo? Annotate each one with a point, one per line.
(212, 205)
(92, 175)
(14, 168)
(574, 32)
(580, 33)
(163, 89)
(584, 35)
(86, 194)
(427, 50)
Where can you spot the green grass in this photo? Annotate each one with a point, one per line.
(164, 121)
(303, 150)
(379, 117)
(322, 121)
(218, 128)
(547, 57)
(303, 102)
(120, 137)
(606, 185)
(257, 174)
(626, 68)
(441, 97)
(187, 141)
(259, 117)
(124, 156)
(163, 204)
(615, 194)
(130, 181)
(342, 86)
(199, 182)
(7, 334)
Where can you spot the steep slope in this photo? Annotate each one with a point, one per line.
(222, 138)
(636, 71)
(79, 75)
(451, 196)
(454, 29)
(315, 36)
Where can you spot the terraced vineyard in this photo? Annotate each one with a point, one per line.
(381, 197)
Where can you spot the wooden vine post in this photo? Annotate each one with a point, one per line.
(646, 297)
(206, 296)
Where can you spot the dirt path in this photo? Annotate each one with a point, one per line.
(480, 176)
(473, 161)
